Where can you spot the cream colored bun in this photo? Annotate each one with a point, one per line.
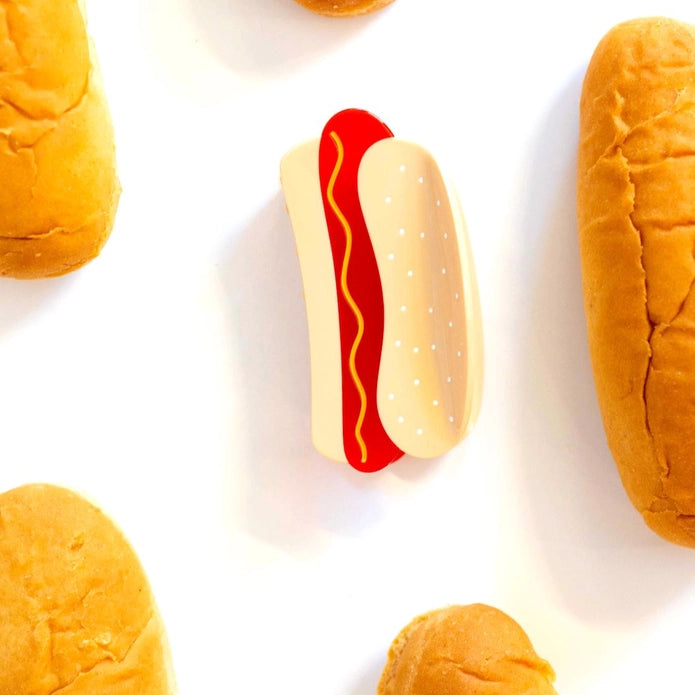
(77, 615)
(343, 8)
(426, 265)
(58, 184)
(636, 213)
(465, 650)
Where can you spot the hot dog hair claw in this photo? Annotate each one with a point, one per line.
(392, 302)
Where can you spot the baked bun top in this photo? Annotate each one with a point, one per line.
(636, 206)
(58, 185)
(343, 8)
(76, 610)
(465, 650)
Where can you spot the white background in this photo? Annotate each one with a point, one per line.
(169, 379)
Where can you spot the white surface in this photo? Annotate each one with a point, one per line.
(168, 380)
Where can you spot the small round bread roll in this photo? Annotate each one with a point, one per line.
(465, 650)
(76, 612)
(58, 185)
(343, 8)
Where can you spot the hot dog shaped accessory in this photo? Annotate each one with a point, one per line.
(392, 302)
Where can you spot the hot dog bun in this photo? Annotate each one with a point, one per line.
(465, 650)
(58, 184)
(636, 206)
(392, 304)
(76, 612)
(430, 381)
(343, 8)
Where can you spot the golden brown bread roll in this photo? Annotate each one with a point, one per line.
(58, 185)
(76, 611)
(636, 219)
(343, 8)
(465, 650)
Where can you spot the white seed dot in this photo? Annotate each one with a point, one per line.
(451, 324)
(456, 296)
(448, 380)
(430, 310)
(418, 431)
(402, 167)
(433, 346)
(421, 180)
(410, 273)
(422, 235)
(400, 419)
(401, 231)
(397, 343)
(458, 353)
(387, 200)
(451, 418)
(443, 271)
(439, 202)
(392, 396)
(446, 235)
(435, 403)
(391, 256)
(404, 308)
(416, 350)
(416, 382)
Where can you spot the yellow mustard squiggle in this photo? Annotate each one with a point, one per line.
(346, 292)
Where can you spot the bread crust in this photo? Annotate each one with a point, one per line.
(76, 610)
(465, 650)
(636, 220)
(58, 185)
(343, 8)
